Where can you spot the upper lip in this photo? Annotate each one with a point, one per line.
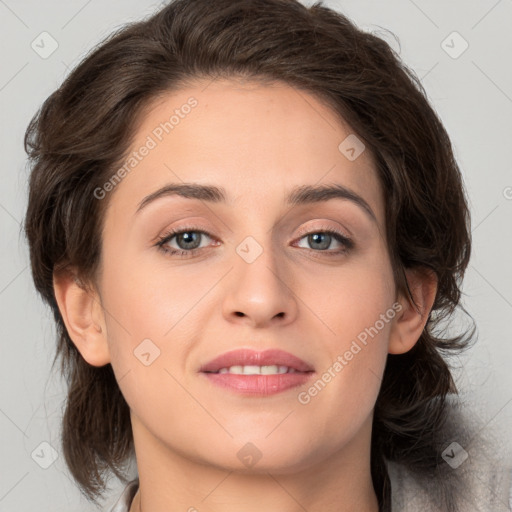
(246, 357)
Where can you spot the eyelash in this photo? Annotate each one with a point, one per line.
(167, 237)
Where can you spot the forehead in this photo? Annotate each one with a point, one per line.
(256, 141)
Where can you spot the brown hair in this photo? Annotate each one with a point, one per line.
(83, 131)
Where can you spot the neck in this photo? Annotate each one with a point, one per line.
(170, 482)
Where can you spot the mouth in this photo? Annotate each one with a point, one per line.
(251, 372)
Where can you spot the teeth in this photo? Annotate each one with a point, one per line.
(257, 370)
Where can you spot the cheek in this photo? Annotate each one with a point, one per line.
(152, 312)
(350, 299)
(357, 316)
(142, 298)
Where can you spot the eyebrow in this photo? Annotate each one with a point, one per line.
(301, 195)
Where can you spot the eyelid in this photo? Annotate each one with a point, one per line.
(172, 232)
(323, 227)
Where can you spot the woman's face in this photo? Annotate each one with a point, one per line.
(255, 281)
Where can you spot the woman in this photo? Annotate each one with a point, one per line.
(248, 221)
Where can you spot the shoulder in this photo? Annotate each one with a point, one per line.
(125, 499)
(473, 474)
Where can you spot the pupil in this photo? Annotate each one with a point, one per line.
(315, 237)
(188, 238)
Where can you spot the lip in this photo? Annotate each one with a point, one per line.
(246, 357)
(257, 385)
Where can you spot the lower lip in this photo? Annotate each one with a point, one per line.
(259, 384)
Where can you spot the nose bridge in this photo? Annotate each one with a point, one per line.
(257, 224)
(259, 287)
(259, 261)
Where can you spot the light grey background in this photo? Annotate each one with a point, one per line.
(472, 94)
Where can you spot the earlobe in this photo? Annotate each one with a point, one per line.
(83, 317)
(410, 322)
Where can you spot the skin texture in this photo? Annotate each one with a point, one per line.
(257, 142)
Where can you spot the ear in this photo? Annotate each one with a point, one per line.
(82, 312)
(409, 322)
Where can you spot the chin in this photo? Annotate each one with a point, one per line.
(280, 455)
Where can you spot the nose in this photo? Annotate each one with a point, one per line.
(260, 290)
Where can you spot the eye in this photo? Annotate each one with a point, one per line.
(188, 240)
(321, 239)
